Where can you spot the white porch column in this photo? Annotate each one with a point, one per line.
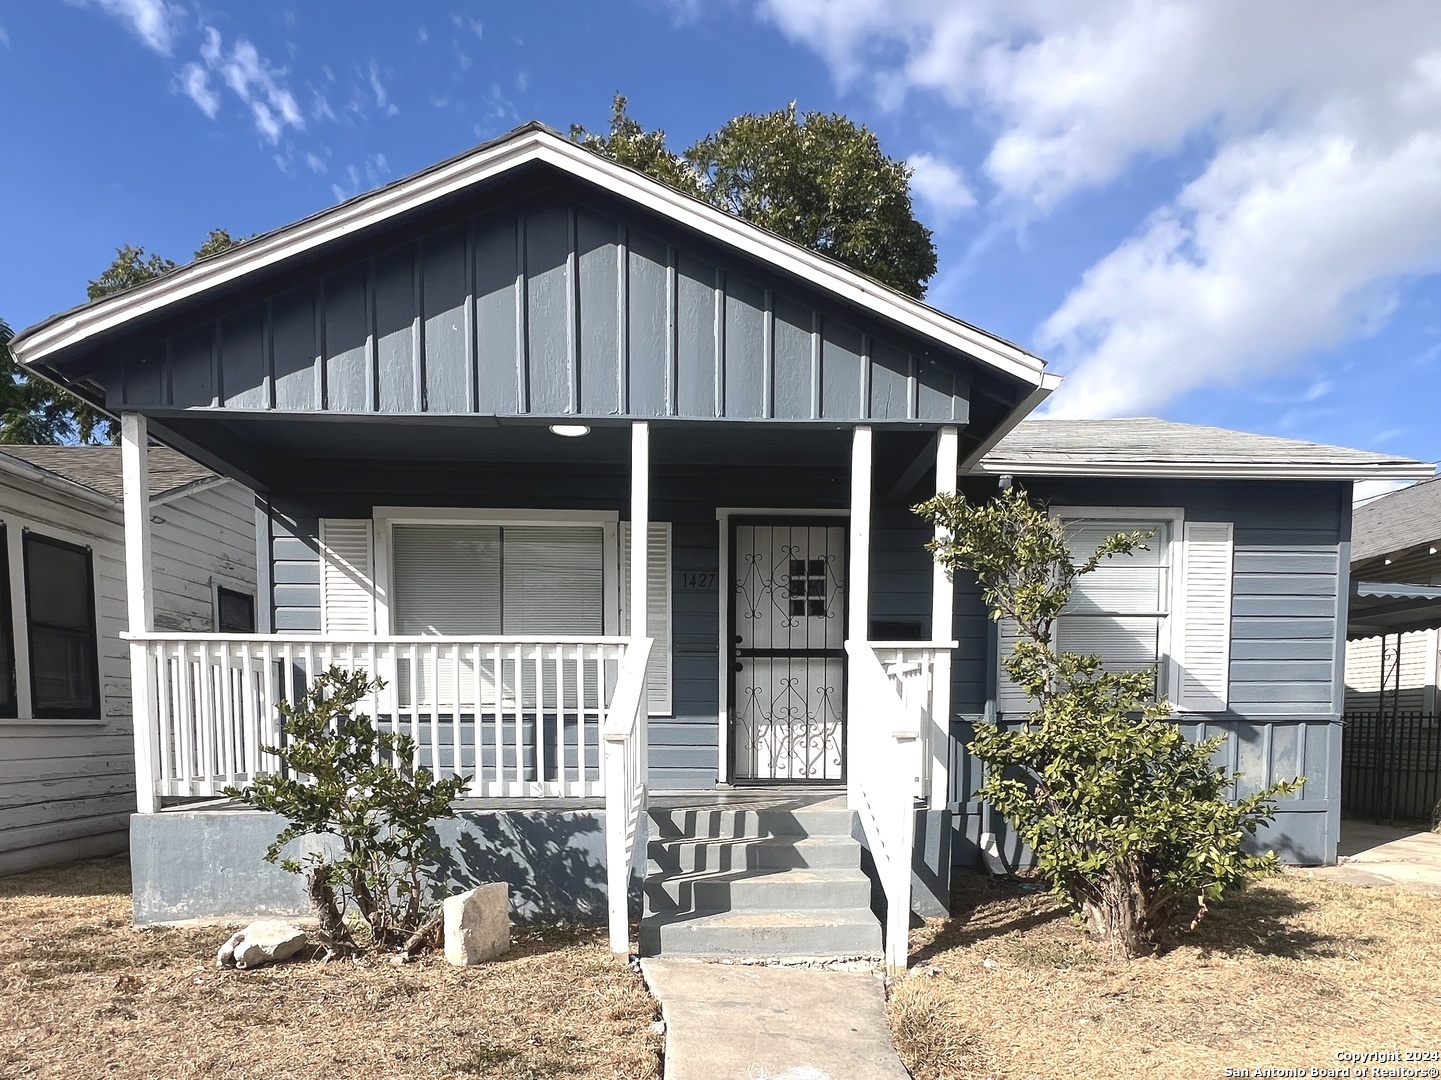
(943, 599)
(135, 471)
(639, 555)
(858, 580)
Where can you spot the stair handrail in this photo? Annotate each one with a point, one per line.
(885, 762)
(623, 765)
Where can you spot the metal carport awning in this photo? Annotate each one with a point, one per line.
(1389, 607)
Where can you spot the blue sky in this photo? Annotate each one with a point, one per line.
(1208, 210)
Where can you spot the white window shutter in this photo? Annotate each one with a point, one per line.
(347, 577)
(658, 611)
(1010, 698)
(1201, 640)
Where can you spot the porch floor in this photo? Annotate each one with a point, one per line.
(747, 798)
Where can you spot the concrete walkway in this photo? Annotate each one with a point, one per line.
(749, 1022)
(1383, 855)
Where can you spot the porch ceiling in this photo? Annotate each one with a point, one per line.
(279, 453)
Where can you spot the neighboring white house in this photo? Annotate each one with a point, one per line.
(67, 754)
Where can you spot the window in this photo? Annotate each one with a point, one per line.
(234, 611)
(60, 600)
(498, 579)
(807, 587)
(1121, 610)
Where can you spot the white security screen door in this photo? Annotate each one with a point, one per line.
(788, 621)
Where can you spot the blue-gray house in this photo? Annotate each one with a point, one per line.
(612, 490)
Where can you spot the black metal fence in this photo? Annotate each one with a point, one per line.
(1391, 766)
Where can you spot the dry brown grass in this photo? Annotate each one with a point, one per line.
(83, 994)
(1282, 976)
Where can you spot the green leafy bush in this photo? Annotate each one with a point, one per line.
(342, 777)
(1130, 822)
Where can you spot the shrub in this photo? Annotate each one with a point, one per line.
(342, 777)
(1129, 821)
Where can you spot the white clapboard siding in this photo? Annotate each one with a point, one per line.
(347, 577)
(658, 611)
(67, 790)
(1415, 688)
(1202, 636)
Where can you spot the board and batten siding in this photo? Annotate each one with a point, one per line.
(1287, 635)
(67, 788)
(550, 309)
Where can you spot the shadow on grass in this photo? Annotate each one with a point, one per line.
(1255, 920)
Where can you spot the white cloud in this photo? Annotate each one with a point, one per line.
(154, 22)
(364, 177)
(941, 186)
(272, 106)
(315, 163)
(4, 37)
(1285, 244)
(195, 84)
(422, 35)
(1318, 188)
(382, 98)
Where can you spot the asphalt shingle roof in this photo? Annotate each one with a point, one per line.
(1038, 445)
(98, 467)
(1403, 519)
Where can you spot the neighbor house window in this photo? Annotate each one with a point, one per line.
(1120, 611)
(234, 611)
(60, 601)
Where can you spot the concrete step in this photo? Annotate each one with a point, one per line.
(758, 890)
(763, 935)
(829, 818)
(682, 856)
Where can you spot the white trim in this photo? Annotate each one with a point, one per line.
(140, 604)
(486, 163)
(858, 581)
(205, 483)
(1175, 557)
(385, 517)
(1206, 470)
(723, 586)
(19, 614)
(943, 600)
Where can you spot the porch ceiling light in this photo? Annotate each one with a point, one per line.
(570, 431)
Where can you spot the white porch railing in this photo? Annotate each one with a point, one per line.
(920, 674)
(625, 765)
(887, 707)
(521, 716)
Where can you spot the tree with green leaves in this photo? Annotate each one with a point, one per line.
(342, 778)
(1130, 822)
(818, 179)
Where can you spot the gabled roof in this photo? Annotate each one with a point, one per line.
(97, 469)
(1149, 447)
(47, 342)
(1396, 522)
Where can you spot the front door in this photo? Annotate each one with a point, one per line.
(788, 659)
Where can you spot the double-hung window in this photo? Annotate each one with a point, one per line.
(1122, 610)
(1165, 607)
(60, 607)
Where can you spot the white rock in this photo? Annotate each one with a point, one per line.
(266, 941)
(477, 924)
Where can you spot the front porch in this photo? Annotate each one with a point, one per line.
(580, 724)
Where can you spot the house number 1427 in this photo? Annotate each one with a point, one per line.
(687, 579)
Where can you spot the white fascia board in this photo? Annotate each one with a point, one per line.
(192, 488)
(67, 331)
(1212, 470)
(973, 462)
